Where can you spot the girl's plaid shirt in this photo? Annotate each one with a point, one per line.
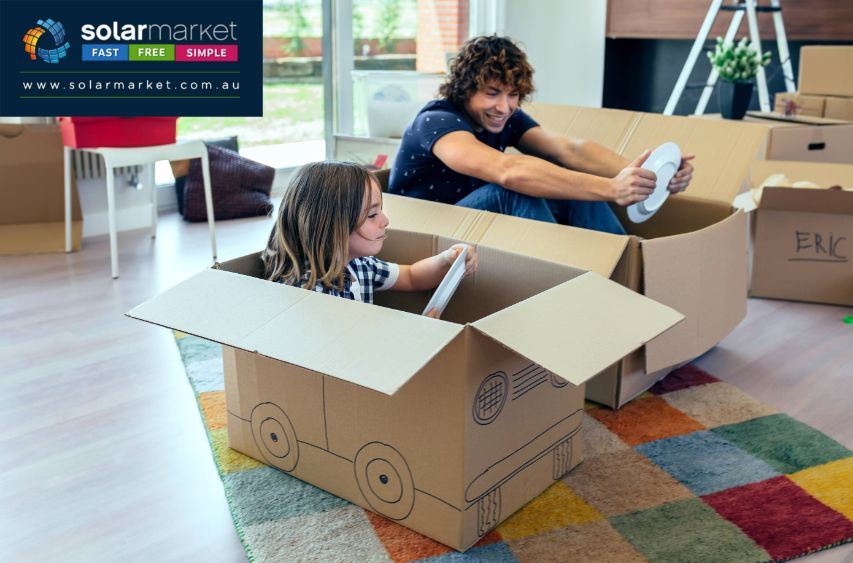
(366, 276)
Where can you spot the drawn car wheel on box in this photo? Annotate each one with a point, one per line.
(385, 481)
(275, 437)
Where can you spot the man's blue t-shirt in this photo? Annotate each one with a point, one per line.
(417, 172)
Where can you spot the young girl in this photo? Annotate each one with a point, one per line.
(329, 227)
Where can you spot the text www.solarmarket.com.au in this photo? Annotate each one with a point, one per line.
(89, 87)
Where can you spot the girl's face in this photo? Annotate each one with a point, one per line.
(368, 238)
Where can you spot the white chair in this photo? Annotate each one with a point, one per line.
(134, 156)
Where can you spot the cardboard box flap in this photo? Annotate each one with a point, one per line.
(702, 274)
(580, 327)
(367, 345)
(604, 126)
(800, 200)
(581, 248)
(723, 149)
(823, 174)
(796, 119)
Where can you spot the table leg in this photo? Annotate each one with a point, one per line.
(67, 158)
(208, 200)
(111, 213)
(149, 180)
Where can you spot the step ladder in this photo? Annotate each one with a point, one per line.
(739, 7)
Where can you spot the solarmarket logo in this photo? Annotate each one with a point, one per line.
(34, 37)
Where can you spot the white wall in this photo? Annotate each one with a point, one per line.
(564, 40)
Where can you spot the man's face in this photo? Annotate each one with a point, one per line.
(491, 107)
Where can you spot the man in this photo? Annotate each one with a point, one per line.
(453, 151)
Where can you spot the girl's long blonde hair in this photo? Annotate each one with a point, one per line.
(321, 207)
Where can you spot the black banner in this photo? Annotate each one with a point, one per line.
(131, 58)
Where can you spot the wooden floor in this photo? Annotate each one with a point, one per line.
(103, 455)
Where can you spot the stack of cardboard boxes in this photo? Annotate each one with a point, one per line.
(801, 205)
(826, 84)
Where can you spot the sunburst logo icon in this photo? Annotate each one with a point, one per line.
(37, 41)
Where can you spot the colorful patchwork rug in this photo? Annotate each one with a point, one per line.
(693, 470)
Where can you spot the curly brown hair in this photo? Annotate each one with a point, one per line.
(485, 59)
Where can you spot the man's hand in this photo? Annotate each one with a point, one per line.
(682, 178)
(633, 183)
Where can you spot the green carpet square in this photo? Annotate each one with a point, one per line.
(264, 494)
(686, 530)
(784, 443)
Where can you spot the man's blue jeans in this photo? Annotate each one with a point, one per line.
(595, 215)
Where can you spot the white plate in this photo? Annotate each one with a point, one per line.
(664, 162)
(448, 285)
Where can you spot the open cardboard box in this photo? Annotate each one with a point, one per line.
(803, 138)
(445, 426)
(692, 255)
(32, 191)
(802, 239)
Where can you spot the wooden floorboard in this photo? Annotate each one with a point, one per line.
(102, 452)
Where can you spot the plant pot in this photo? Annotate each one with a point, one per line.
(734, 98)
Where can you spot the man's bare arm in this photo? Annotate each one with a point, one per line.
(576, 154)
(537, 177)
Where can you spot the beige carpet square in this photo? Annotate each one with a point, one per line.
(624, 482)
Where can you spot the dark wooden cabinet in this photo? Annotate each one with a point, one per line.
(820, 20)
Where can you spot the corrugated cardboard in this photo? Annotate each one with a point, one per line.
(700, 229)
(805, 139)
(32, 191)
(799, 104)
(826, 70)
(444, 426)
(802, 238)
(839, 108)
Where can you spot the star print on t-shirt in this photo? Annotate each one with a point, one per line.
(417, 172)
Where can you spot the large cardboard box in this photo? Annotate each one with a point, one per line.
(838, 108)
(445, 426)
(805, 139)
(32, 191)
(802, 239)
(801, 137)
(692, 255)
(826, 70)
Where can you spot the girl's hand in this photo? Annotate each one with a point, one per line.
(470, 259)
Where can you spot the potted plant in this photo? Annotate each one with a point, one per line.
(737, 64)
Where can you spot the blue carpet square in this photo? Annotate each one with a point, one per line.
(705, 462)
(494, 553)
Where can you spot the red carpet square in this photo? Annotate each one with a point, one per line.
(682, 378)
(644, 420)
(781, 517)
